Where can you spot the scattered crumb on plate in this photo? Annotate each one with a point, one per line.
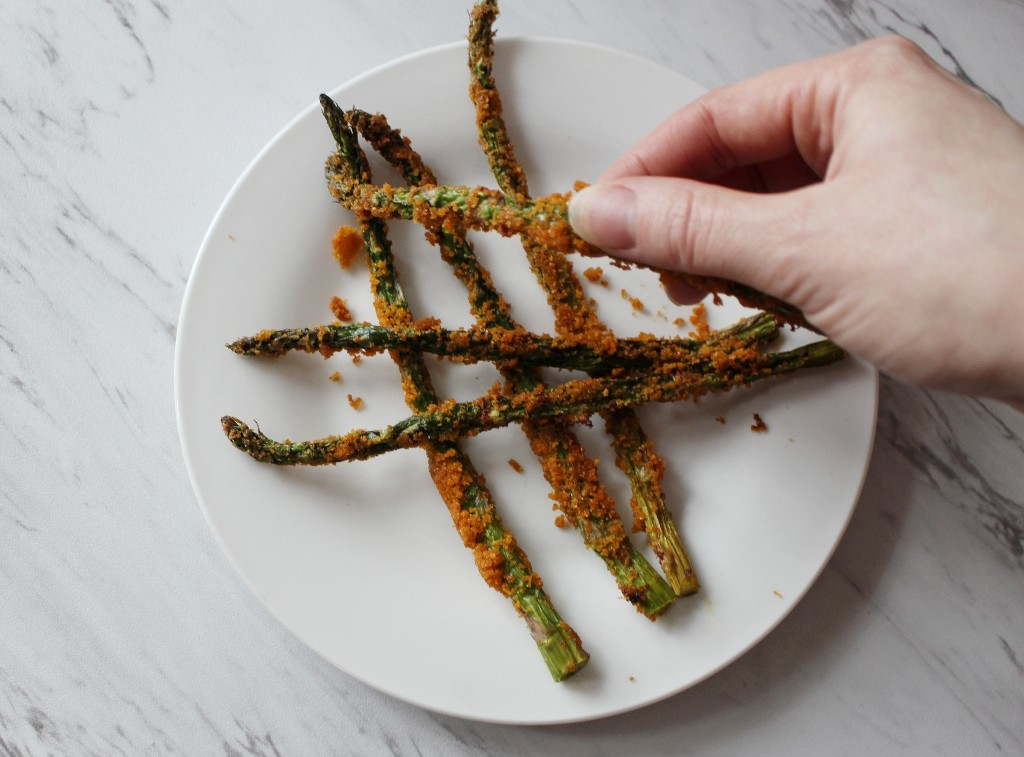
(340, 309)
(346, 244)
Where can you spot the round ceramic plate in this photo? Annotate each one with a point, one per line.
(361, 560)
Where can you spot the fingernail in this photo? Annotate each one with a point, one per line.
(680, 292)
(605, 216)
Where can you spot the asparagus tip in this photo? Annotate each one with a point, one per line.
(336, 121)
(243, 436)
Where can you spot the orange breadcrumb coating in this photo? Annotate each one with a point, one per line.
(593, 274)
(335, 377)
(578, 493)
(355, 402)
(699, 319)
(455, 484)
(346, 244)
(491, 565)
(514, 465)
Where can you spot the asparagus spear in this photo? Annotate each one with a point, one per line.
(483, 91)
(499, 558)
(571, 473)
(501, 346)
(543, 221)
(574, 400)
(634, 453)
(480, 208)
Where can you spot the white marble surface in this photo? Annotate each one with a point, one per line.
(123, 630)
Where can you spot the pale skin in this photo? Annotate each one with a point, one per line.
(870, 188)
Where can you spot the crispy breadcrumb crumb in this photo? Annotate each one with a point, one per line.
(346, 244)
(340, 309)
(699, 319)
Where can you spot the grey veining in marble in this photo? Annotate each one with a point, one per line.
(123, 630)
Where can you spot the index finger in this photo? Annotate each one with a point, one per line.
(758, 120)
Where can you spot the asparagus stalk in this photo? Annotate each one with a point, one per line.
(543, 222)
(391, 145)
(479, 208)
(503, 346)
(573, 400)
(483, 92)
(634, 452)
(499, 558)
(571, 473)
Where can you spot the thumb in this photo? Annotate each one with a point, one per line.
(685, 225)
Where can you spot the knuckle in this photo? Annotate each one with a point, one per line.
(891, 54)
(896, 46)
(716, 147)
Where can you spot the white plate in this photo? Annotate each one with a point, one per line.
(360, 560)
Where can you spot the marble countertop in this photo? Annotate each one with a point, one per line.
(125, 630)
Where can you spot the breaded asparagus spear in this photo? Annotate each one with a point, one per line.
(574, 400)
(501, 561)
(502, 346)
(574, 316)
(543, 221)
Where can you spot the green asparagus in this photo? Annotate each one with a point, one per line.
(574, 400)
(543, 221)
(502, 346)
(574, 316)
(457, 480)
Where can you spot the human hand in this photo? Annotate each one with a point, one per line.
(870, 188)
